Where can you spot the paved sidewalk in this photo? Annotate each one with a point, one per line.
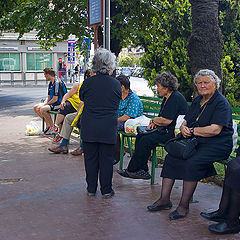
(43, 197)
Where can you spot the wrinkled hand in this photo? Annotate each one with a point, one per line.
(185, 131)
(152, 125)
(62, 105)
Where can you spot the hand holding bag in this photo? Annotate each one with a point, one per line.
(181, 147)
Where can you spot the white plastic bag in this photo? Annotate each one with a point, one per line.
(234, 136)
(131, 125)
(32, 129)
(179, 121)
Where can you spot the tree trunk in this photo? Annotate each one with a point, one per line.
(205, 44)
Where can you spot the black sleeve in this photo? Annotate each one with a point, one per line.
(171, 108)
(221, 114)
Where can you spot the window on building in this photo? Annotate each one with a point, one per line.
(9, 61)
(38, 61)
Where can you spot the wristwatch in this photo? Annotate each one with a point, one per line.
(192, 131)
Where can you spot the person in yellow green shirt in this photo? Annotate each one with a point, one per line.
(70, 120)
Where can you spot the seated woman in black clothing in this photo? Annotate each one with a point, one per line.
(211, 117)
(229, 208)
(173, 105)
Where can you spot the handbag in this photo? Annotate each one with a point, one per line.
(143, 130)
(181, 147)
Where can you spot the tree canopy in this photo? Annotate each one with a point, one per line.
(161, 27)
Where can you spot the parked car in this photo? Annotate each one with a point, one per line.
(138, 72)
(126, 71)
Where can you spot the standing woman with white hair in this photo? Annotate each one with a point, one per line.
(209, 119)
(101, 95)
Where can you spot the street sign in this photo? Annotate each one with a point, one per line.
(95, 12)
(71, 51)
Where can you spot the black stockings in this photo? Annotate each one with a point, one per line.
(167, 185)
(187, 193)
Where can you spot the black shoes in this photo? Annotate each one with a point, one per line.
(215, 216)
(91, 194)
(155, 208)
(108, 195)
(140, 174)
(175, 215)
(225, 227)
(123, 173)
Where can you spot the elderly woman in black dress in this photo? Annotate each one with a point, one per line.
(101, 95)
(210, 120)
(173, 105)
(229, 208)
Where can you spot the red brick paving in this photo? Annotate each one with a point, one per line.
(51, 202)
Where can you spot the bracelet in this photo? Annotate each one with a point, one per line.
(192, 131)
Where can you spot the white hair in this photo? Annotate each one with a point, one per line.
(103, 61)
(211, 74)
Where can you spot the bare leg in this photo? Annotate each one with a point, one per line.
(59, 119)
(44, 112)
(37, 108)
(167, 185)
(187, 193)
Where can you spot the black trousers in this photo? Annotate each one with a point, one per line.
(98, 158)
(143, 146)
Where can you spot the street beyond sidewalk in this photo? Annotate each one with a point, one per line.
(43, 196)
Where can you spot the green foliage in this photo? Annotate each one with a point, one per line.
(53, 21)
(166, 44)
(229, 18)
(129, 61)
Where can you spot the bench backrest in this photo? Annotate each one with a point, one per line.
(151, 106)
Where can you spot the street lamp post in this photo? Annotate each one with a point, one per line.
(107, 25)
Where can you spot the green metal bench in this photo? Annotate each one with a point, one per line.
(54, 113)
(151, 107)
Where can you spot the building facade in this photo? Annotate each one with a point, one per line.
(23, 60)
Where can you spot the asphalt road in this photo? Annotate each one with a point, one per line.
(20, 100)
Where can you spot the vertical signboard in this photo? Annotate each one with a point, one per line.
(95, 17)
(95, 12)
(71, 51)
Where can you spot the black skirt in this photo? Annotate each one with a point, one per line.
(198, 166)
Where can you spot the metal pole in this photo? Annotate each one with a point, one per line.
(107, 24)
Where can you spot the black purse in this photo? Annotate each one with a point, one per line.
(181, 147)
(143, 130)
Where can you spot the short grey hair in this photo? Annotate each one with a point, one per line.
(103, 61)
(211, 74)
(167, 80)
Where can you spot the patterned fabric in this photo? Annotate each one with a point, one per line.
(131, 106)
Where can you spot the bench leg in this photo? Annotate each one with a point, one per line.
(154, 163)
(43, 124)
(130, 146)
(121, 152)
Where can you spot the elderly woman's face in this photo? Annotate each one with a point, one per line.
(162, 91)
(205, 86)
